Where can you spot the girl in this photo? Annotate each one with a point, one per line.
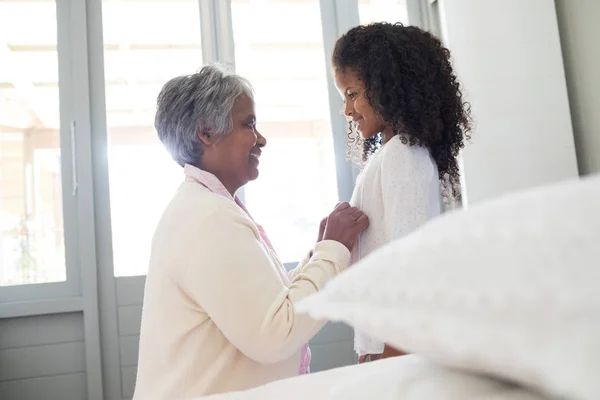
(408, 123)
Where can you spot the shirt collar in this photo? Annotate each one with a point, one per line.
(206, 179)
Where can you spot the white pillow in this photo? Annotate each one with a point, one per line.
(510, 288)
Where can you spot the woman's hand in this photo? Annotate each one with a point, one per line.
(322, 229)
(323, 224)
(344, 225)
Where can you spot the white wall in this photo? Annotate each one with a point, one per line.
(508, 56)
(579, 23)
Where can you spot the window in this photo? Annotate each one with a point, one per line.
(84, 178)
(32, 242)
(284, 60)
(138, 62)
(382, 11)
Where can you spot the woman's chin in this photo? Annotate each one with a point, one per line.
(253, 174)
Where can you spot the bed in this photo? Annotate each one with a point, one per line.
(497, 302)
(407, 378)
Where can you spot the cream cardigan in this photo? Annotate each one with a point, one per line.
(218, 309)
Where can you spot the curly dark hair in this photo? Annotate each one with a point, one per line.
(410, 83)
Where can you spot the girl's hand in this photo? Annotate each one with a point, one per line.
(389, 351)
(368, 357)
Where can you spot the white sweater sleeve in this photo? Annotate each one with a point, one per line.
(405, 186)
(405, 179)
(232, 278)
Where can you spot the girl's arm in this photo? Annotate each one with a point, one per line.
(405, 176)
(392, 352)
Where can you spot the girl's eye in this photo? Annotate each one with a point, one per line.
(352, 95)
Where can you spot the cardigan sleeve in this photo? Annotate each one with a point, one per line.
(232, 278)
(294, 272)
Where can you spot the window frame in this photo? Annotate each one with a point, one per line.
(76, 184)
(83, 151)
(91, 286)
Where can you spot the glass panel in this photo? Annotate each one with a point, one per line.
(382, 11)
(283, 58)
(139, 59)
(32, 245)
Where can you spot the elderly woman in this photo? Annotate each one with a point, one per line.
(218, 305)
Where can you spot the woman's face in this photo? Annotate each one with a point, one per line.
(357, 107)
(235, 158)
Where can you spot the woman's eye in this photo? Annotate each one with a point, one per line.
(352, 95)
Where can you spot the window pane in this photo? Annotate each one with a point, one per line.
(284, 60)
(139, 59)
(382, 11)
(32, 246)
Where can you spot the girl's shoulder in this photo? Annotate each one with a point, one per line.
(397, 149)
(399, 143)
(399, 156)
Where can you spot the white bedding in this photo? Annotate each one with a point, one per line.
(405, 378)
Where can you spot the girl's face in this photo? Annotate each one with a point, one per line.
(357, 107)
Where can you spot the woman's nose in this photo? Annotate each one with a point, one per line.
(261, 141)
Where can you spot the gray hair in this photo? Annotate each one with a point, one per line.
(190, 105)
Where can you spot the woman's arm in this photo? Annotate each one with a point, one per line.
(232, 278)
(292, 274)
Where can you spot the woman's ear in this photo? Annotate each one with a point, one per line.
(206, 138)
